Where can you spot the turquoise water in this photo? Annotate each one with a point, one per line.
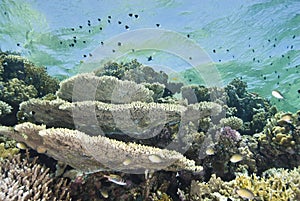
(258, 40)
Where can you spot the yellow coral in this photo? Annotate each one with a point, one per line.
(7, 152)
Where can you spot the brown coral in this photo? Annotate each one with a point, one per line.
(98, 153)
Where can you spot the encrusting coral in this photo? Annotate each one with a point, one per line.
(21, 179)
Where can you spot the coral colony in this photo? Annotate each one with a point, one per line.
(140, 136)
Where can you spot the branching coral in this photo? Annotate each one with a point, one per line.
(273, 185)
(4, 108)
(233, 122)
(15, 91)
(24, 180)
(20, 81)
(248, 106)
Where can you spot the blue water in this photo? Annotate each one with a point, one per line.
(256, 40)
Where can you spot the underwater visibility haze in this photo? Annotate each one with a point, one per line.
(155, 100)
(257, 41)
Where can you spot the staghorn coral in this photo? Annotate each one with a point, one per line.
(25, 180)
(107, 89)
(233, 122)
(98, 153)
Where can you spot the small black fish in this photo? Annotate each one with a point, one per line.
(119, 43)
(214, 51)
(126, 27)
(150, 58)
(99, 19)
(294, 36)
(157, 25)
(80, 26)
(136, 16)
(188, 35)
(130, 14)
(119, 22)
(109, 17)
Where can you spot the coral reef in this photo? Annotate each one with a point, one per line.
(20, 81)
(4, 108)
(105, 89)
(233, 122)
(117, 70)
(6, 152)
(133, 71)
(21, 179)
(92, 154)
(249, 107)
(16, 91)
(273, 185)
(280, 140)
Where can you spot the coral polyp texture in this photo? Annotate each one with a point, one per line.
(106, 89)
(98, 153)
(21, 179)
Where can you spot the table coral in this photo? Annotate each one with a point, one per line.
(98, 153)
(106, 89)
